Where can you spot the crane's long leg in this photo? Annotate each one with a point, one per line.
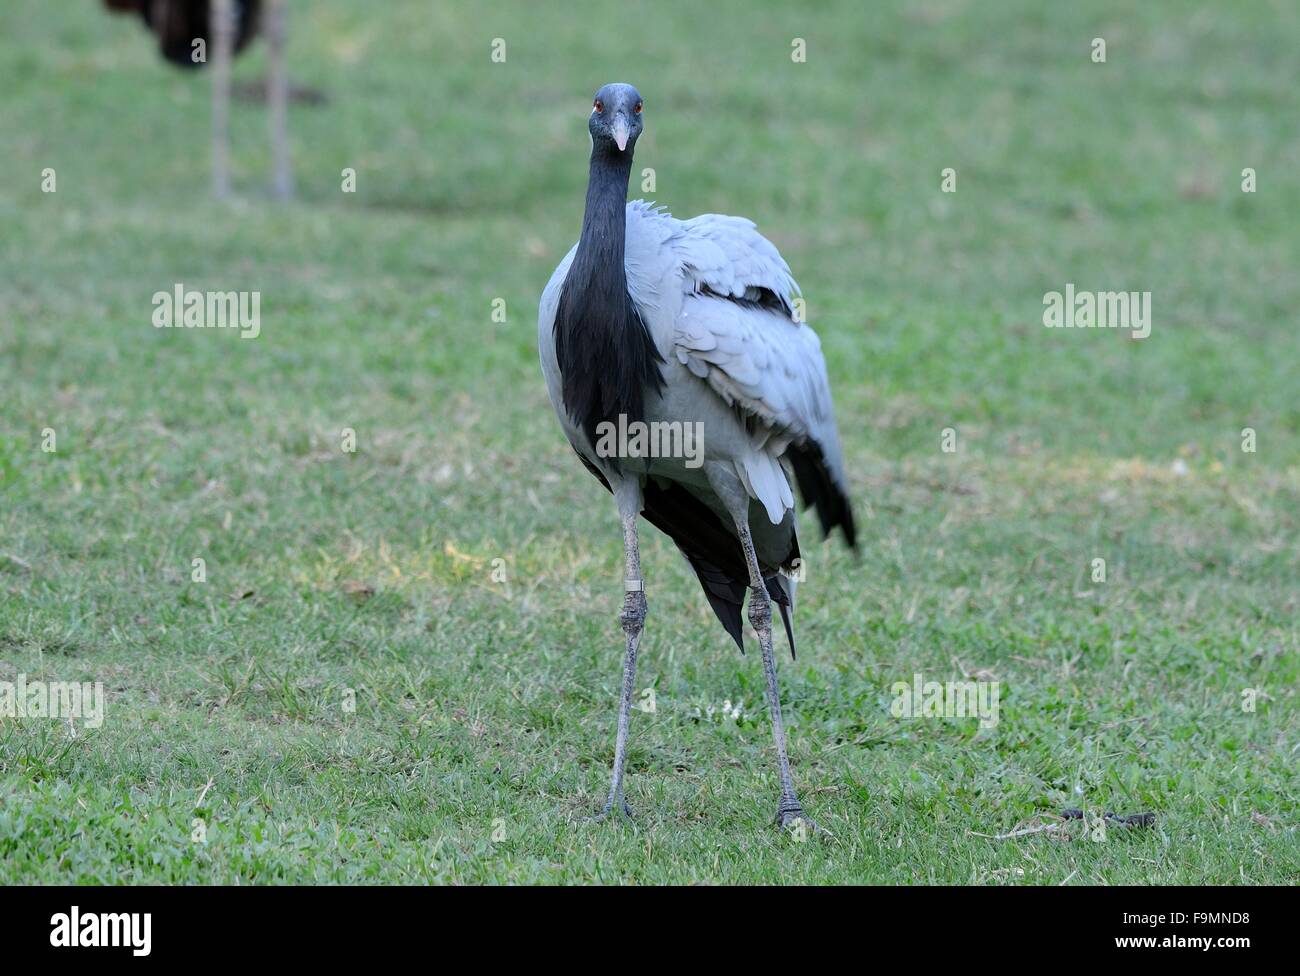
(736, 499)
(222, 31)
(277, 99)
(760, 617)
(632, 620)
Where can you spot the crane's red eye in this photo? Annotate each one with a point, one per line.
(600, 106)
(637, 110)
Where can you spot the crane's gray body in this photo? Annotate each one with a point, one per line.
(754, 378)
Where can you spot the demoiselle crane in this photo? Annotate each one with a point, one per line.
(653, 324)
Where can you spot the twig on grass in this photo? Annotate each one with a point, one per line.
(1025, 831)
(1059, 826)
(202, 796)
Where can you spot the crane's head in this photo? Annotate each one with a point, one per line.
(615, 117)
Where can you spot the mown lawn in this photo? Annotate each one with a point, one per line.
(484, 708)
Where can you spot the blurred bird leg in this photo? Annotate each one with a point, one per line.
(222, 31)
(277, 93)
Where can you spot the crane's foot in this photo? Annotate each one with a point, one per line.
(791, 817)
(624, 813)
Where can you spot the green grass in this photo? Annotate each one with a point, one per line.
(487, 707)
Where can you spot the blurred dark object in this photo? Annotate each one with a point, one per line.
(1122, 819)
(178, 23)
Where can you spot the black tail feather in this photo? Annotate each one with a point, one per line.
(776, 588)
(725, 595)
(819, 490)
(714, 552)
(727, 598)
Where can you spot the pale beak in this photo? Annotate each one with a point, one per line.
(620, 133)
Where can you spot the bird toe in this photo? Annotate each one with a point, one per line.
(800, 824)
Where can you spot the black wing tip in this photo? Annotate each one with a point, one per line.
(848, 527)
(835, 511)
(726, 595)
(736, 633)
(822, 491)
(727, 610)
(780, 595)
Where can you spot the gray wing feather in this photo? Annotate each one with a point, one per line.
(728, 256)
(755, 357)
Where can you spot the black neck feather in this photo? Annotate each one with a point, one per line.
(607, 359)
